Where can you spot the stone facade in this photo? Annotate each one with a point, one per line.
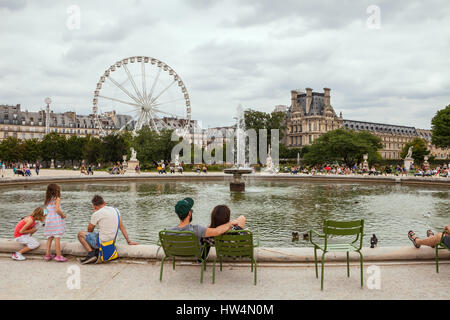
(28, 125)
(311, 115)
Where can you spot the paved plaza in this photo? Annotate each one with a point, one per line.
(38, 279)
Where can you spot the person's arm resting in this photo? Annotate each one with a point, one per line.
(125, 233)
(212, 232)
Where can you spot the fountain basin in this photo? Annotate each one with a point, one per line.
(237, 185)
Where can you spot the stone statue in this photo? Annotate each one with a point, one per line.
(409, 155)
(133, 154)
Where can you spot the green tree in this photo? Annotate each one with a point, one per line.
(440, 128)
(113, 148)
(31, 150)
(92, 150)
(419, 149)
(262, 120)
(11, 150)
(53, 146)
(74, 148)
(146, 146)
(343, 145)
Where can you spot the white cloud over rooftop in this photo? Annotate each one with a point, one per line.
(231, 52)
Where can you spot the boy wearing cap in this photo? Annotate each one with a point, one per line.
(183, 209)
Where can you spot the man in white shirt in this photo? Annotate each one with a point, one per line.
(108, 221)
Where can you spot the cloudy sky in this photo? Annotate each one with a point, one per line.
(236, 52)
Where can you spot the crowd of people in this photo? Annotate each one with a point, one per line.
(162, 166)
(375, 170)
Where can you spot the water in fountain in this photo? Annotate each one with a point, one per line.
(240, 139)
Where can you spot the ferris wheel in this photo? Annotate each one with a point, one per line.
(142, 91)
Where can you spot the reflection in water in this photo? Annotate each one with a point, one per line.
(274, 209)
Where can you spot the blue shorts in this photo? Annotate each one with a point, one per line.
(93, 240)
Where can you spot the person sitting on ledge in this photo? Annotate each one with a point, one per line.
(106, 219)
(219, 216)
(184, 210)
(432, 239)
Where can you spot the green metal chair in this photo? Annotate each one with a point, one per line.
(235, 244)
(181, 244)
(438, 247)
(339, 228)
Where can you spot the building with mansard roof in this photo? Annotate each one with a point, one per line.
(311, 114)
(14, 122)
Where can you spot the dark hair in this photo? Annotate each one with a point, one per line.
(97, 200)
(220, 215)
(53, 192)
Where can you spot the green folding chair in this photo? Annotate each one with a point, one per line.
(440, 246)
(181, 244)
(235, 244)
(339, 228)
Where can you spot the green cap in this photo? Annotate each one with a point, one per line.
(183, 206)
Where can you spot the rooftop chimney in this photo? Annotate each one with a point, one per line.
(308, 99)
(326, 93)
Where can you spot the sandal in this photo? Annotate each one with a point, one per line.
(49, 257)
(413, 240)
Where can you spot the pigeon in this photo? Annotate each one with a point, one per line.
(427, 215)
(306, 236)
(373, 241)
(294, 236)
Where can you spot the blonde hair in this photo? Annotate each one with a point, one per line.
(38, 214)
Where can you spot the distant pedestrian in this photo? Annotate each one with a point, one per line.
(38, 167)
(3, 169)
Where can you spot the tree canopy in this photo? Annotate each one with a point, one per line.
(440, 128)
(343, 146)
(419, 150)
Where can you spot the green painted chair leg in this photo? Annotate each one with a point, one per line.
(162, 266)
(220, 264)
(256, 270)
(348, 265)
(321, 278)
(362, 269)
(437, 259)
(315, 261)
(214, 271)
(201, 276)
(251, 270)
(173, 263)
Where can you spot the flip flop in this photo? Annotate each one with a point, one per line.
(410, 236)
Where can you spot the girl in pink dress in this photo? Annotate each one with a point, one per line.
(55, 224)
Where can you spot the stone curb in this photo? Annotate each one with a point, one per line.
(153, 252)
(215, 176)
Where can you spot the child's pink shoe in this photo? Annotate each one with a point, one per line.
(49, 257)
(60, 259)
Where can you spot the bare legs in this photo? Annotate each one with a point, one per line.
(57, 246)
(82, 239)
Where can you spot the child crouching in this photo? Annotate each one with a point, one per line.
(24, 231)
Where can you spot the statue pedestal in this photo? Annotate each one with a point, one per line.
(52, 164)
(237, 186)
(407, 163)
(131, 165)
